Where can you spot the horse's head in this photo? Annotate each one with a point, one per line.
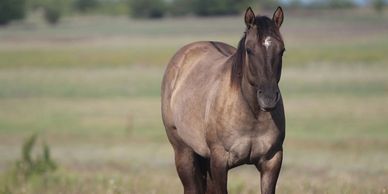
(264, 49)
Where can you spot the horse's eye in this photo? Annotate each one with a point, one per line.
(249, 51)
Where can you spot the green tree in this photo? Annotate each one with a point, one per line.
(294, 4)
(85, 5)
(12, 10)
(116, 7)
(180, 7)
(269, 4)
(219, 7)
(147, 8)
(378, 5)
(341, 4)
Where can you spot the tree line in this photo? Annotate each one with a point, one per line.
(53, 10)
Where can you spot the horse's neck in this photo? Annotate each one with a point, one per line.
(249, 92)
(242, 97)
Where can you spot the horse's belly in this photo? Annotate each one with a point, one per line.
(195, 139)
(191, 104)
(188, 114)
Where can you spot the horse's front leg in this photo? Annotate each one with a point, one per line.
(269, 170)
(218, 172)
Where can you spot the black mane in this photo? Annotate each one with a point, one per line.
(238, 61)
(266, 27)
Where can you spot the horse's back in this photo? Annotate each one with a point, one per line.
(189, 77)
(188, 55)
(194, 57)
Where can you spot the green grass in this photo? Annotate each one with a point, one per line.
(366, 53)
(90, 87)
(151, 55)
(80, 82)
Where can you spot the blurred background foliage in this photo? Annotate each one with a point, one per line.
(11, 10)
(53, 10)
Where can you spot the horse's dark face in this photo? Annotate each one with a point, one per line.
(264, 51)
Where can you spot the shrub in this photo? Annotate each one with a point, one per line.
(269, 4)
(53, 11)
(341, 4)
(332, 4)
(52, 14)
(180, 7)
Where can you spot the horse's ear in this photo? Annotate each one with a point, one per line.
(278, 17)
(249, 17)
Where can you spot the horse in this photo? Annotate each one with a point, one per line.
(222, 107)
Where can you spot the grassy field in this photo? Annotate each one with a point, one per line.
(90, 88)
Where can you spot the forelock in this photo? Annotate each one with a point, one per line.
(266, 27)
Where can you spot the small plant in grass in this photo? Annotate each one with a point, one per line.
(35, 166)
(28, 166)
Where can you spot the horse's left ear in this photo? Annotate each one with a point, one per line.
(278, 17)
(249, 17)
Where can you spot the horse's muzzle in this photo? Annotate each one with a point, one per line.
(268, 98)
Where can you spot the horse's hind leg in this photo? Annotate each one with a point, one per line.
(187, 162)
(189, 170)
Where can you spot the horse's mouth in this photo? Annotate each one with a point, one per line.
(267, 109)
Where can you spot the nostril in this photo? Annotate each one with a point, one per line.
(260, 91)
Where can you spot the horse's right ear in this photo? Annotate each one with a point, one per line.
(249, 17)
(278, 17)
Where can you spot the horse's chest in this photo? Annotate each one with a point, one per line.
(250, 146)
